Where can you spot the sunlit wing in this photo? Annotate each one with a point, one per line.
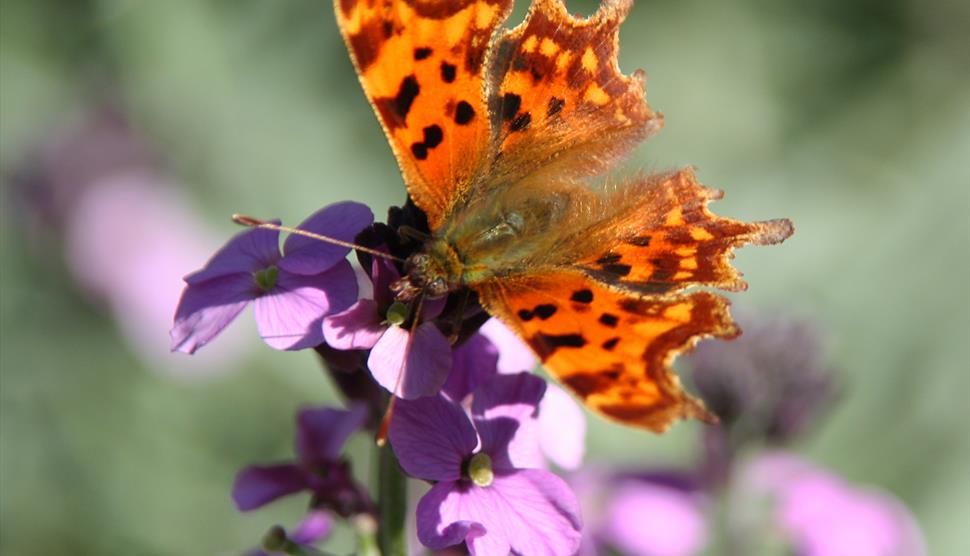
(560, 104)
(612, 348)
(667, 239)
(609, 325)
(421, 65)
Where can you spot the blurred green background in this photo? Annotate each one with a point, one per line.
(852, 118)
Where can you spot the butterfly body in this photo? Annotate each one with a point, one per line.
(496, 132)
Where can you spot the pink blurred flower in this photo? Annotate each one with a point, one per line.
(129, 239)
(649, 513)
(648, 518)
(823, 515)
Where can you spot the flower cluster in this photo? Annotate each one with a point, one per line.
(467, 418)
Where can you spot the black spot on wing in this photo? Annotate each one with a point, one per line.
(525, 315)
(394, 110)
(544, 311)
(433, 136)
(585, 384)
(464, 113)
(448, 72)
(608, 345)
(422, 53)
(510, 105)
(617, 269)
(547, 344)
(582, 296)
(609, 258)
(419, 151)
(639, 241)
(609, 320)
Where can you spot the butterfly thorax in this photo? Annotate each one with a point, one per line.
(507, 234)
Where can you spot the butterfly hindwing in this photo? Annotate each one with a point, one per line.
(612, 348)
(421, 64)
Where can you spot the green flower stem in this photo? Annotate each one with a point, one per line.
(392, 501)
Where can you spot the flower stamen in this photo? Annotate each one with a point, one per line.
(266, 279)
(480, 469)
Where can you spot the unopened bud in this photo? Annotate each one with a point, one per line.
(275, 539)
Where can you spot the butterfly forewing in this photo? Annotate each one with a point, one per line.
(421, 65)
(560, 104)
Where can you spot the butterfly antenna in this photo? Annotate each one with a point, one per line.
(381, 438)
(257, 223)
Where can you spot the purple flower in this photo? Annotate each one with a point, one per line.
(321, 434)
(405, 364)
(822, 515)
(771, 383)
(562, 422)
(316, 526)
(292, 292)
(480, 496)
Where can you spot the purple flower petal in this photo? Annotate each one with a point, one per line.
(514, 355)
(246, 253)
(562, 428)
(206, 308)
(504, 411)
(436, 525)
(359, 327)
(424, 361)
(527, 512)
(321, 433)
(473, 363)
(654, 519)
(383, 274)
(315, 526)
(308, 256)
(291, 315)
(431, 436)
(260, 484)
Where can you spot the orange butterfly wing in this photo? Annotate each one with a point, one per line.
(421, 65)
(562, 107)
(470, 111)
(610, 326)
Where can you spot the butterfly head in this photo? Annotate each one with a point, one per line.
(434, 272)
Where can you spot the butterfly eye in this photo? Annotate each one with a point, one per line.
(437, 288)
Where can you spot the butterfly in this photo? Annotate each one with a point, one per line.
(498, 133)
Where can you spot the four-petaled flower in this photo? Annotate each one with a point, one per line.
(405, 364)
(292, 292)
(481, 497)
(321, 434)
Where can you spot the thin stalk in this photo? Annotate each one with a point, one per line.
(392, 502)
